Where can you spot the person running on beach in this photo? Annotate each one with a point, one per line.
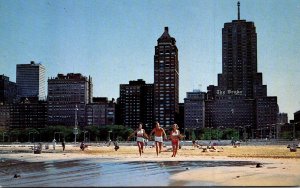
(159, 134)
(140, 134)
(175, 136)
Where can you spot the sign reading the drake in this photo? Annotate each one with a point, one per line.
(229, 92)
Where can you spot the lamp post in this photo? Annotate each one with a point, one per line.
(234, 121)
(197, 127)
(109, 134)
(29, 136)
(294, 131)
(75, 131)
(277, 130)
(269, 129)
(274, 135)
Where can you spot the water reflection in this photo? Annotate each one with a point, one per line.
(98, 172)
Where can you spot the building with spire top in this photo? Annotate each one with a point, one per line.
(240, 100)
(166, 80)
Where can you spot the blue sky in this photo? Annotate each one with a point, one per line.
(113, 40)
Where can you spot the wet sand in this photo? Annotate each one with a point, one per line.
(274, 172)
(280, 167)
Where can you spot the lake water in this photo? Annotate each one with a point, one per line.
(99, 172)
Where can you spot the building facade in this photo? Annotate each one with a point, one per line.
(5, 116)
(166, 80)
(194, 110)
(136, 103)
(28, 113)
(111, 112)
(8, 90)
(100, 112)
(180, 117)
(282, 118)
(31, 80)
(229, 111)
(297, 117)
(240, 100)
(68, 96)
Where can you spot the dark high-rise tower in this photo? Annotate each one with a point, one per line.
(240, 100)
(239, 59)
(166, 79)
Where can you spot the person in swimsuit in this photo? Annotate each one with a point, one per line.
(140, 134)
(159, 134)
(175, 136)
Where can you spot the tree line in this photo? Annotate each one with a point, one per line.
(116, 133)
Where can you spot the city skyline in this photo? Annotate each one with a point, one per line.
(104, 39)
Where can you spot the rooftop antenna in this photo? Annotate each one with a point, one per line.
(238, 4)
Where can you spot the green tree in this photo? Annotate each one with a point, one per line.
(287, 134)
(206, 134)
(193, 136)
(230, 133)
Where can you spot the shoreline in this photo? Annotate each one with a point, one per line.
(280, 167)
(130, 153)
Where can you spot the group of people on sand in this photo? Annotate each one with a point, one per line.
(159, 136)
(63, 144)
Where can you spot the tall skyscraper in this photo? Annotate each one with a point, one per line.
(239, 60)
(67, 94)
(240, 100)
(31, 80)
(166, 80)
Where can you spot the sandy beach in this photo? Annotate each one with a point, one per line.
(280, 167)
